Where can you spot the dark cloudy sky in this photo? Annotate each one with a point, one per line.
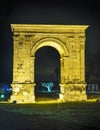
(47, 12)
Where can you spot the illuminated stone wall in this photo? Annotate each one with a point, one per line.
(68, 40)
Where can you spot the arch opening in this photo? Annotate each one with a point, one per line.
(47, 73)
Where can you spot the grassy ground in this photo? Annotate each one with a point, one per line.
(56, 116)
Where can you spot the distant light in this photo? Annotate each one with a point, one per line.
(2, 96)
(9, 89)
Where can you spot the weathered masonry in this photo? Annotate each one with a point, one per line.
(68, 40)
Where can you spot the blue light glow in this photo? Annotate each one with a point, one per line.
(2, 96)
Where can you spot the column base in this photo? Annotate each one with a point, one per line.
(72, 92)
(22, 93)
(72, 98)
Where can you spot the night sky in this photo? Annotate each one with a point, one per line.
(72, 12)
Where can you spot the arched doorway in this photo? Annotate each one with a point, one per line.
(63, 54)
(47, 74)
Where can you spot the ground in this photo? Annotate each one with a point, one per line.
(55, 116)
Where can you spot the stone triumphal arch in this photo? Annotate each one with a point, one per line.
(68, 40)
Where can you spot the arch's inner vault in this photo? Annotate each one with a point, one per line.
(68, 40)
